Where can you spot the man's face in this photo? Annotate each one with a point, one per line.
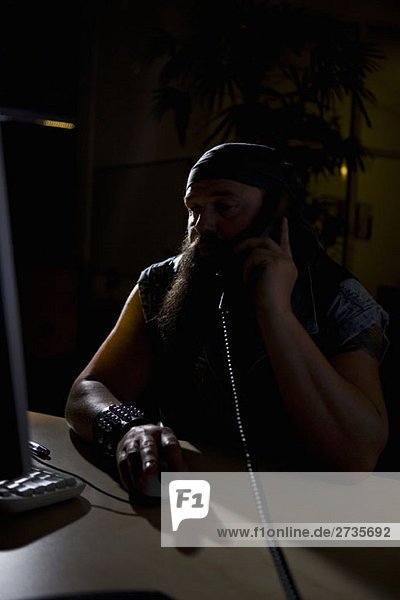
(220, 210)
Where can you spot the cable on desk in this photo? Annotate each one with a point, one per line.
(82, 479)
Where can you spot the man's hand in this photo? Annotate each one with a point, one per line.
(270, 270)
(142, 452)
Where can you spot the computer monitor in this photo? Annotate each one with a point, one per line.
(14, 448)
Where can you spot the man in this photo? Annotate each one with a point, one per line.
(253, 298)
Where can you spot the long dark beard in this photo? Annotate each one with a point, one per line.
(191, 300)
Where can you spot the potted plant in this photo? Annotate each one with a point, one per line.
(268, 73)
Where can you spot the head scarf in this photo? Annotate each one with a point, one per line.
(253, 164)
(263, 167)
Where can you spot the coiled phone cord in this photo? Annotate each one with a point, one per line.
(278, 557)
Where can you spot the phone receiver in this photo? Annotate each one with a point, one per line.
(272, 230)
(228, 275)
(266, 225)
(298, 239)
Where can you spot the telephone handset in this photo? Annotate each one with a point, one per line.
(267, 223)
(229, 268)
(273, 230)
(304, 241)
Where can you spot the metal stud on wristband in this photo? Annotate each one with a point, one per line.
(111, 424)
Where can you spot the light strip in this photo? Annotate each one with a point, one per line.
(59, 124)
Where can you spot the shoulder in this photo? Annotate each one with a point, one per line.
(336, 289)
(356, 320)
(160, 270)
(345, 309)
(154, 281)
(354, 309)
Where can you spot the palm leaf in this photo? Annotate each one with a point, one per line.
(267, 72)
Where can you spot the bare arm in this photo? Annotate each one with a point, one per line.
(119, 372)
(337, 406)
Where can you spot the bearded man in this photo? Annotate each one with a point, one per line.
(251, 298)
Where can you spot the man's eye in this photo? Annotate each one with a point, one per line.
(223, 207)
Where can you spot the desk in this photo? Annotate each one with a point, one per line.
(97, 543)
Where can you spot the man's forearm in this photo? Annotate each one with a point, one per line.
(86, 399)
(332, 415)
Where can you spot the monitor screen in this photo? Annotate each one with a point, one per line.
(14, 452)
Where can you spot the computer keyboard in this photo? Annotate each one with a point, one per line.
(40, 487)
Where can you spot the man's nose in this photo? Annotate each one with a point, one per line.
(205, 221)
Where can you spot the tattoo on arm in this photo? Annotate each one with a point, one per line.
(370, 340)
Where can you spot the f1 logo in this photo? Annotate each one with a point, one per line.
(189, 499)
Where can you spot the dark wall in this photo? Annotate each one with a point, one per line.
(42, 52)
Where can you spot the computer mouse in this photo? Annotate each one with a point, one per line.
(153, 486)
(150, 495)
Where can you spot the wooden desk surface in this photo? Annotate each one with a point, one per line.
(97, 543)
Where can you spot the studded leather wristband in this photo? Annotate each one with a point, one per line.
(111, 424)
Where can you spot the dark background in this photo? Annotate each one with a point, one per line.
(93, 205)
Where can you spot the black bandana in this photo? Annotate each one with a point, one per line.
(252, 164)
